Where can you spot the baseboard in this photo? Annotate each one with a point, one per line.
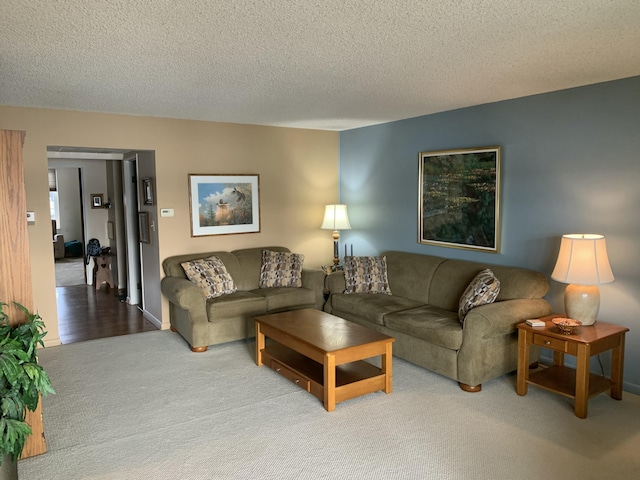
(152, 319)
(52, 342)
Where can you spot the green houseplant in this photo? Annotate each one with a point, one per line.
(22, 380)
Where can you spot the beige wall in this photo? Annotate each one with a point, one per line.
(298, 175)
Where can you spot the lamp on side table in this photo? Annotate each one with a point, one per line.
(583, 264)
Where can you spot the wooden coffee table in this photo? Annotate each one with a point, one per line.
(324, 354)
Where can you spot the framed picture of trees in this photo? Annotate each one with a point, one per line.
(459, 199)
(224, 204)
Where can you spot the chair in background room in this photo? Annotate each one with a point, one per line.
(58, 241)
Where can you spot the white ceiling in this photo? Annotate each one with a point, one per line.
(332, 64)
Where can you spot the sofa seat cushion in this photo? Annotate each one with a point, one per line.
(234, 305)
(281, 298)
(432, 324)
(370, 306)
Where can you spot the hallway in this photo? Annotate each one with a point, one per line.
(86, 314)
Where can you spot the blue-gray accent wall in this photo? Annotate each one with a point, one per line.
(570, 164)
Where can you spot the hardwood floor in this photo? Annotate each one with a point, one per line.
(86, 314)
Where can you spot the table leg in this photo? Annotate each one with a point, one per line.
(523, 362)
(386, 368)
(94, 272)
(582, 380)
(259, 344)
(617, 366)
(329, 382)
(558, 359)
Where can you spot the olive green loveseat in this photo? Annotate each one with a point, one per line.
(203, 322)
(422, 314)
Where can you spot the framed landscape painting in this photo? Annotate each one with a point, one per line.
(459, 199)
(224, 204)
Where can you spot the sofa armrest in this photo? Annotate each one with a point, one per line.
(58, 246)
(501, 318)
(334, 283)
(489, 341)
(313, 279)
(186, 295)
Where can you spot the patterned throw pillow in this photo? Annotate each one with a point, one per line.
(483, 289)
(366, 275)
(281, 269)
(211, 275)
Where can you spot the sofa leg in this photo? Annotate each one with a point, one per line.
(173, 329)
(469, 388)
(199, 349)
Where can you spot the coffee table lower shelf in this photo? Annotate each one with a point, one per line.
(352, 379)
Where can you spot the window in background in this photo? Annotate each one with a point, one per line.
(54, 205)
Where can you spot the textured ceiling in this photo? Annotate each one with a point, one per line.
(331, 64)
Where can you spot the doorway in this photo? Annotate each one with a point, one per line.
(85, 312)
(65, 203)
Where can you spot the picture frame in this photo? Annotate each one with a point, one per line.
(143, 227)
(148, 193)
(459, 198)
(224, 204)
(97, 200)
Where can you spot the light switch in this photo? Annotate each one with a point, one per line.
(166, 212)
(31, 218)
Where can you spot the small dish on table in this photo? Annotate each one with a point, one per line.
(566, 325)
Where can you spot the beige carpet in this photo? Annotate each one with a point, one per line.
(144, 406)
(70, 271)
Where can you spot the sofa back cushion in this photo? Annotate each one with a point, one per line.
(243, 265)
(441, 282)
(410, 274)
(249, 265)
(453, 276)
(172, 266)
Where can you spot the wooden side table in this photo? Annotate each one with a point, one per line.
(102, 270)
(577, 383)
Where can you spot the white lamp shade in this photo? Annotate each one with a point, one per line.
(583, 260)
(335, 218)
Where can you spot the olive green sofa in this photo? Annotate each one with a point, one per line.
(422, 315)
(203, 322)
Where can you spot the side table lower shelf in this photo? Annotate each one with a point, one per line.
(562, 380)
